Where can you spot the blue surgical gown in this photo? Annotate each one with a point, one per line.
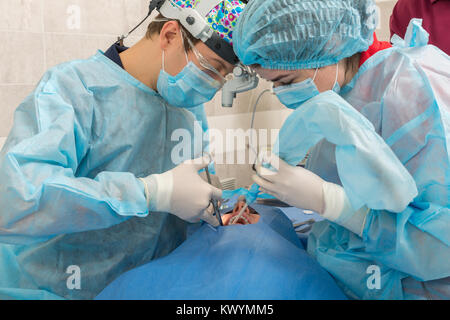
(69, 193)
(262, 261)
(405, 93)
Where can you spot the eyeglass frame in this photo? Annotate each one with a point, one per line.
(201, 59)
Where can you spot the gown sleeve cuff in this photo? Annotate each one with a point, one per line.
(155, 199)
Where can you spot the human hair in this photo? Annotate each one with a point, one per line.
(155, 27)
(352, 64)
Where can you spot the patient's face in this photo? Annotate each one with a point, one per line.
(248, 217)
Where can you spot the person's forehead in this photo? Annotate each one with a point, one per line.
(211, 56)
(270, 74)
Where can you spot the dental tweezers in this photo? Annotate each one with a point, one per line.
(213, 201)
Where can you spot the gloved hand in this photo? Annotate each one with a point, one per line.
(296, 186)
(182, 192)
(303, 189)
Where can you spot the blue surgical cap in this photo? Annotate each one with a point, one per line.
(303, 34)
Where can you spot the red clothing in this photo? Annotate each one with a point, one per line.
(435, 15)
(374, 48)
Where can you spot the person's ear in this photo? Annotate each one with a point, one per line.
(169, 36)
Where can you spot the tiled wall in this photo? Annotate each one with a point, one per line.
(38, 34)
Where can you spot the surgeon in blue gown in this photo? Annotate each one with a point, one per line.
(263, 261)
(376, 120)
(89, 184)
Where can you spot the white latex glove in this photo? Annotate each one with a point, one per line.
(296, 186)
(303, 189)
(182, 192)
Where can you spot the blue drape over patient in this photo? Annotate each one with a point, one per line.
(260, 261)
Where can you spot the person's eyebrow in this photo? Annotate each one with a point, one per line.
(222, 65)
(279, 77)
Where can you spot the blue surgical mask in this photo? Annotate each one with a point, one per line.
(294, 95)
(188, 89)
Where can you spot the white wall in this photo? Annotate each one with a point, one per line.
(38, 34)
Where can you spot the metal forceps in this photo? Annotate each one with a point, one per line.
(213, 201)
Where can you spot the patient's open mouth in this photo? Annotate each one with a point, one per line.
(239, 220)
(241, 214)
